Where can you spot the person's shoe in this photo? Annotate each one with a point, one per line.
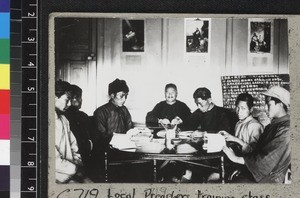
(185, 180)
(187, 177)
(175, 180)
(161, 180)
(213, 178)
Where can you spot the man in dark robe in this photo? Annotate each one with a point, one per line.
(209, 117)
(170, 110)
(212, 119)
(113, 117)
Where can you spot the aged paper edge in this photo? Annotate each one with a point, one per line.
(221, 190)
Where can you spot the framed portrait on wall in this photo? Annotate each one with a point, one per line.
(196, 35)
(133, 35)
(260, 33)
(261, 47)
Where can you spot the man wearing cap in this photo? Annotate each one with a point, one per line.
(269, 162)
(113, 117)
(169, 111)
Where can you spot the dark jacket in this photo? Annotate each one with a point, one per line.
(111, 119)
(213, 121)
(80, 126)
(163, 110)
(270, 161)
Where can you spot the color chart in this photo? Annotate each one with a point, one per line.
(4, 98)
(15, 97)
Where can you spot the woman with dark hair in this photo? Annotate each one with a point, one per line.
(247, 129)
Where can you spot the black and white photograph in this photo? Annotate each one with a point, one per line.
(154, 117)
(133, 35)
(197, 35)
(260, 37)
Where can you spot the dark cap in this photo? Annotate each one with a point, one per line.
(76, 91)
(171, 85)
(117, 86)
(202, 93)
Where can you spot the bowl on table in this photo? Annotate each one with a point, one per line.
(176, 141)
(161, 133)
(151, 147)
(185, 149)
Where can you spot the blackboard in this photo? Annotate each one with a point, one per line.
(232, 86)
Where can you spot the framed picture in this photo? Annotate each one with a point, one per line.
(133, 35)
(197, 35)
(260, 34)
(261, 47)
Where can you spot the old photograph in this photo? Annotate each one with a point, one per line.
(133, 35)
(197, 35)
(166, 115)
(260, 37)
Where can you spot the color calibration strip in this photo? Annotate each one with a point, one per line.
(4, 98)
(29, 113)
(15, 97)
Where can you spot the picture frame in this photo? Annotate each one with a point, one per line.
(197, 35)
(133, 35)
(261, 45)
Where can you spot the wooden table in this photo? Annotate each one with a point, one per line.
(115, 157)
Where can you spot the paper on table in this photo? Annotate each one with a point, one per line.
(121, 141)
(215, 142)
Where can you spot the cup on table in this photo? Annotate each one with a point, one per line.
(170, 134)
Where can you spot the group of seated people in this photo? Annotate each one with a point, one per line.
(262, 154)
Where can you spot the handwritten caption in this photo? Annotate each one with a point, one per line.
(148, 193)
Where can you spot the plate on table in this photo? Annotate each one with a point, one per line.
(128, 150)
(139, 131)
(176, 141)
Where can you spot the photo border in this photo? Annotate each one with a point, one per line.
(229, 190)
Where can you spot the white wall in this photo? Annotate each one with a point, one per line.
(164, 61)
